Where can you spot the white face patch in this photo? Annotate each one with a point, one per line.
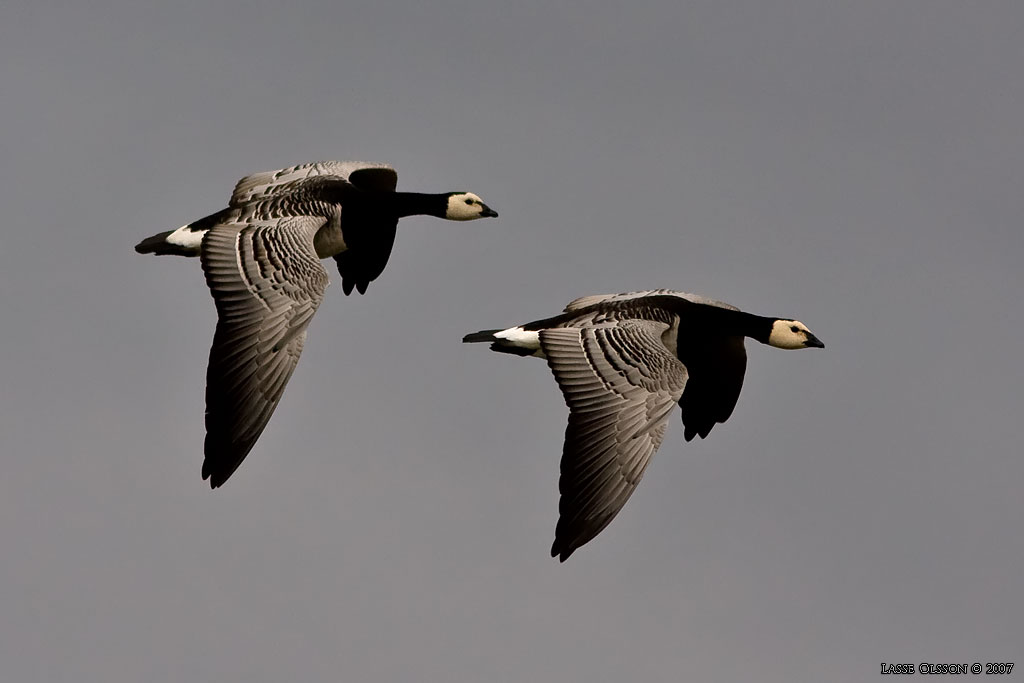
(789, 334)
(464, 206)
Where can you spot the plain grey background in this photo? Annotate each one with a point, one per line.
(855, 165)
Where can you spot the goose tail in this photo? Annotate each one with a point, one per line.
(186, 240)
(161, 245)
(481, 336)
(513, 340)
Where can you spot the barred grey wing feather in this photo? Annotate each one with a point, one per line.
(267, 183)
(267, 283)
(584, 301)
(620, 384)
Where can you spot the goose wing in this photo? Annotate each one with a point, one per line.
(267, 283)
(266, 183)
(370, 239)
(584, 301)
(620, 384)
(717, 365)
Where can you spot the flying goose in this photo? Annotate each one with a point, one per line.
(261, 256)
(360, 240)
(622, 362)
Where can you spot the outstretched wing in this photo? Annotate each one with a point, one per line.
(267, 183)
(717, 365)
(267, 283)
(369, 248)
(620, 384)
(584, 301)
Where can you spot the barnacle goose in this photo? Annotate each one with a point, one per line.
(622, 362)
(261, 256)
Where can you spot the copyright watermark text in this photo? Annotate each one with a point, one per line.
(945, 668)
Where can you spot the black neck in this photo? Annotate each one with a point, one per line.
(728, 321)
(738, 323)
(756, 327)
(418, 204)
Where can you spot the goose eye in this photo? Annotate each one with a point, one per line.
(469, 201)
(794, 328)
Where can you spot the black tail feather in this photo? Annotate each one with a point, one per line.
(157, 244)
(481, 336)
(514, 350)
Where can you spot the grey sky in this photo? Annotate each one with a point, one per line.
(855, 165)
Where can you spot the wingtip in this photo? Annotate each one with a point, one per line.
(561, 553)
(216, 477)
(217, 480)
(348, 286)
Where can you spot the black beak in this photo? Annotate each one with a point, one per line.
(488, 212)
(813, 342)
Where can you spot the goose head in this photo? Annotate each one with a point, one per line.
(466, 206)
(792, 334)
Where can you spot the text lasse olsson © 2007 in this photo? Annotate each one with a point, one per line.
(928, 668)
